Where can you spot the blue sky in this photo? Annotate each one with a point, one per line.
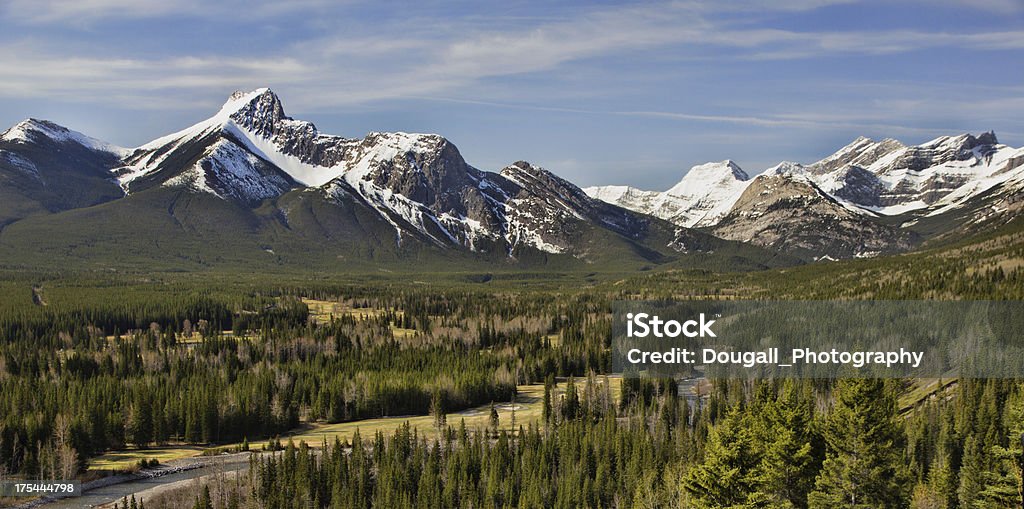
(598, 92)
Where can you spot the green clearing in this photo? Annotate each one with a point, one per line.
(528, 409)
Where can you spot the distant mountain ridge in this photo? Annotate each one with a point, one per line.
(264, 180)
(258, 181)
(864, 200)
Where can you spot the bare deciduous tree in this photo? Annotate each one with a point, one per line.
(66, 456)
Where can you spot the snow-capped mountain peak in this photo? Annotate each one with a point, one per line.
(251, 153)
(33, 131)
(861, 152)
(240, 99)
(417, 183)
(891, 178)
(707, 176)
(786, 168)
(865, 178)
(704, 195)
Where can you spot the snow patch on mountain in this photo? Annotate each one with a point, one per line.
(526, 228)
(30, 130)
(21, 163)
(378, 147)
(705, 194)
(228, 171)
(234, 103)
(867, 177)
(308, 174)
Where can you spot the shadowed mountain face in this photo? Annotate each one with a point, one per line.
(45, 168)
(251, 183)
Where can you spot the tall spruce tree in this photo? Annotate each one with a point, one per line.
(972, 472)
(792, 452)
(1004, 483)
(863, 463)
(727, 477)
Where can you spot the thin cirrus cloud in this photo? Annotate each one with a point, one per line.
(429, 64)
(86, 12)
(723, 66)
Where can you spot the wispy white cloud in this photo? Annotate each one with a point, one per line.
(447, 61)
(86, 12)
(859, 120)
(49, 11)
(998, 6)
(432, 56)
(858, 123)
(165, 83)
(435, 58)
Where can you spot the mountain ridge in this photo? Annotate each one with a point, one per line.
(255, 180)
(394, 192)
(884, 184)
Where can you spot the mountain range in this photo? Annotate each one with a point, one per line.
(869, 198)
(251, 185)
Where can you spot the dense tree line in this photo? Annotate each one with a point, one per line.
(90, 367)
(771, 445)
(207, 371)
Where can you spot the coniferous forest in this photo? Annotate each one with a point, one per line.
(90, 365)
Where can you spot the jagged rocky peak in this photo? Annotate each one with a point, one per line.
(521, 168)
(861, 152)
(426, 168)
(963, 142)
(988, 138)
(261, 114)
(261, 111)
(938, 152)
(546, 197)
(538, 181)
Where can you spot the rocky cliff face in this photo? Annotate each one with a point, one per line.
(794, 215)
(892, 178)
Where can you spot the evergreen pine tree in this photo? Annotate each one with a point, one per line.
(571, 403)
(546, 408)
(493, 418)
(726, 477)
(791, 456)
(972, 473)
(863, 463)
(204, 501)
(1004, 482)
